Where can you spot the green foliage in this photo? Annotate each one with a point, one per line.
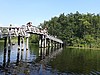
(76, 29)
(34, 38)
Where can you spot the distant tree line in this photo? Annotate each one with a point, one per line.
(75, 29)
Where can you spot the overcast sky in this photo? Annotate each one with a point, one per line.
(19, 12)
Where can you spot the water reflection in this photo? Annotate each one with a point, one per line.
(50, 61)
(4, 58)
(26, 57)
(37, 64)
(18, 54)
(5, 50)
(22, 52)
(47, 53)
(76, 61)
(9, 52)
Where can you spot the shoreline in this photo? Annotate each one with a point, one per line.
(83, 48)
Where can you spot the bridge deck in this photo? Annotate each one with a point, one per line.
(26, 31)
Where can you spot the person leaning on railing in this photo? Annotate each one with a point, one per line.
(29, 25)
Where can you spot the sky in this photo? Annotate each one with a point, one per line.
(19, 12)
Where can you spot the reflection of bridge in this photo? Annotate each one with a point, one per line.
(25, 31)
(34, 66)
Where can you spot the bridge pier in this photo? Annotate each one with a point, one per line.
(45, 41)
(9, 52)
(18, 42)
(9, 49)
(5, 51)
(42, 41)
(26, 57)
(22, 52)
(18, 54)
(50, 43)
(27, 39)
(61, 45)
(22, 43)
(50, 50)
(53, 43)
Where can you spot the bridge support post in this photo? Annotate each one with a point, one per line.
(50, 43)
(26, 57)
(22, 42)
(60, 45)
(5, 50)
(22, 54)
(53, 44)
(56, 45)
(27, 43)
(45, 41)
(18, 54)
(18, 42)
(9, 49)
(40, 41)
(50, 50)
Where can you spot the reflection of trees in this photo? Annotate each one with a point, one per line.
(1, 46)
(34, 49)
(77, 61)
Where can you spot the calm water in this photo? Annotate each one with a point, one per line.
(49, 61)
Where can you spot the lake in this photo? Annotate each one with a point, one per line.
(48, 61)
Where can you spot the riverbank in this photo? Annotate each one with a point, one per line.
(1, 40)
(84, 48)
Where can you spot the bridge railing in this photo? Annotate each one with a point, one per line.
(54, 38)
(34, 29)
(25, 31)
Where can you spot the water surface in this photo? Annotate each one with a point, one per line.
(48, 61)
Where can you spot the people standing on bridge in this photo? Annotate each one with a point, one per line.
(10, 30)
(45, 30)
(29, 25)
(40, 29)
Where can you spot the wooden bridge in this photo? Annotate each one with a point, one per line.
(24, 32)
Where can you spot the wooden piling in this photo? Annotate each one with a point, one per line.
(9, 49)
(5, 51)
(27, 39)
(18, 42)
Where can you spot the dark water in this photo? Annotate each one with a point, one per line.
(49, 61)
